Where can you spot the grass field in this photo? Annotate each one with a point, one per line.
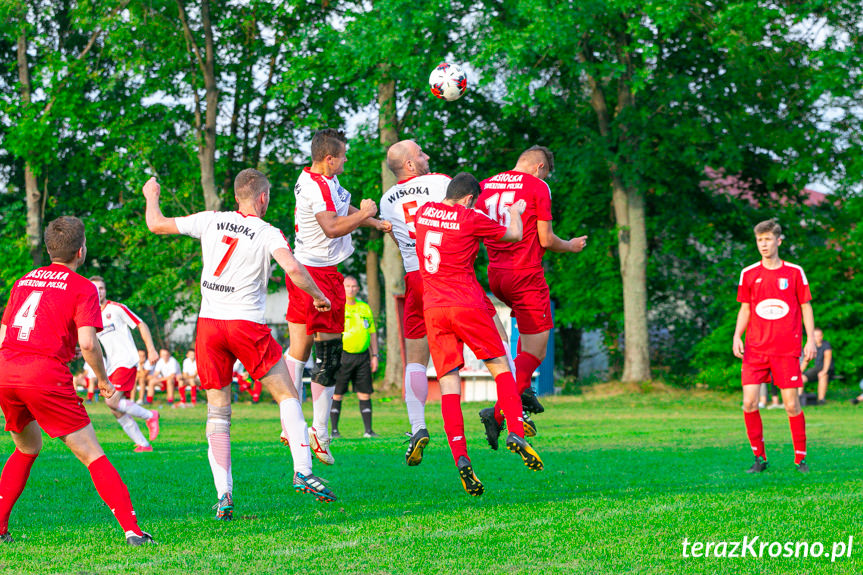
(627, 478)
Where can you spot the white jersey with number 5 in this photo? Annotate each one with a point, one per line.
(238, 251)
(316, 193)
(399, 205)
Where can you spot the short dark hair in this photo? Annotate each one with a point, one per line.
(250, 184)
(549, 156)
(63, 238)
(463, 184)
(97, 279)
(327, 142)
(770, 226)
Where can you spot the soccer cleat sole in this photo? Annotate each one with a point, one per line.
(322, 497)
(528, 454)
(470, 481)
(415, 457)
(529, 428)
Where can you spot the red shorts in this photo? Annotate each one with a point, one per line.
(758, 368)
(301, 308)
(54, 405)
(221, 342)
(123, 379)
(450, 328)
(526, 292)
(414, 322)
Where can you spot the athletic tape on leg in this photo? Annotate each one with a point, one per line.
(328, 360)
(218, 419)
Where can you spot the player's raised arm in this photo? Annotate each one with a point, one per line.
(301, 278)
(156, 221)
(335, 226)
(152, 354)
(514, 229)
(550, 241)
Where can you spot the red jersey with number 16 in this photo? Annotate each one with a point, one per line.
(498, 194)
(447, 243)
(45, 310)
(775, 317)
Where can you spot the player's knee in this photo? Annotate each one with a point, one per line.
(218, 419)
(328, 360)
(750, 405)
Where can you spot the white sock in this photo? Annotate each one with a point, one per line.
(294, 425)
(295, 368)
(416, 392)
(133, 409)
(322, 402)
(219, 454)
(130, 426)
(509, 360)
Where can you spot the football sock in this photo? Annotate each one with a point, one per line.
(335, 412)
(416, 393)
(366, 412)
(294, 426)
(525, 365)
(12, 482)
(453, 424)
(130, 426)
(256, 391)
(181, 390)
(149, 399)
(129, 407)
(798, 436)
(322, 400)
(295, 367)
(114, 493)
(89, 396)
(755, 432)
(219, 450)
(510, 402)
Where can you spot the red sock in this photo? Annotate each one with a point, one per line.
(798, 436)
(149, 399)
(525, 365)
(89, 396)
(256, 391)
(182, 392)
(114, 493)
(194, 394)
(755, 431)
(510, 402)
(12, 482)
(453, 424)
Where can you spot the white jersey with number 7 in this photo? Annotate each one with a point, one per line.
(238, 251)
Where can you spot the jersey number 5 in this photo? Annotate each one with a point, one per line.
(497, 207)
(25, 319)
(232, 245)
(431, 260)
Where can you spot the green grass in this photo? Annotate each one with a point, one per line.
(627, 478)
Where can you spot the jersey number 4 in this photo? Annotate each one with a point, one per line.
(431, 259)
(232, 245)
(25, 319)
(497, 207)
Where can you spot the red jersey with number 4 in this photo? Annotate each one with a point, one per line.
(45, 310)
(447, 243)
(498, 194)
(775, 317)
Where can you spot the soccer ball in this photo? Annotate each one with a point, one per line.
(448, 81)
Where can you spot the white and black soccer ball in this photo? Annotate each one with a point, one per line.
(448, 81)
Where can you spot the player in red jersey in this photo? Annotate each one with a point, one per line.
(51, 309)
(121, 356)
(238, 248)
(448, 237)
(515, 271)
(323, 222)
(774, 302)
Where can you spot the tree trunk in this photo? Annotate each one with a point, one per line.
(391, 263)
(31, 187)
(373, 268)
(208, 151)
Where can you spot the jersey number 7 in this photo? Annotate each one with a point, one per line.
(232, 245)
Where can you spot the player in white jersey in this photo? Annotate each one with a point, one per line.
(121, 357)
(238, 248)
(324, 219)
(399, 205)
